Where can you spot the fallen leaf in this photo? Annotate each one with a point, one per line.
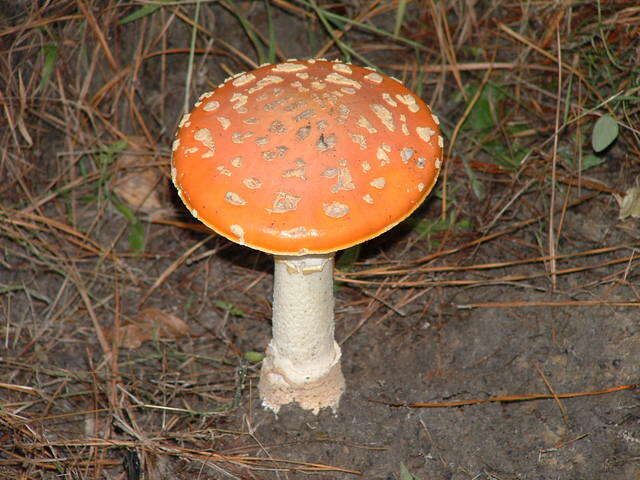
(405, 474)
(138, 186)
(149, 324)
(130, 336)
(629, 204)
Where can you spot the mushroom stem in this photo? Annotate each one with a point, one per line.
(302, 364)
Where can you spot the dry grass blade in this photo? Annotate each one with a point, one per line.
(91, 19)
(15, 218)
(554, 173)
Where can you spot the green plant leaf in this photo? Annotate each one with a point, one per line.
(136, 229)
(124, 210)
(476, 185)
(426, 228)
(605, 131)
(136, 236)
(229, 307)
(509, 159)
(405, 474)
(253, 357)
(482, 115)
(50, 53)
(108, 152)
(590, 161)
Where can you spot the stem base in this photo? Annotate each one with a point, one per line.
(276, 389)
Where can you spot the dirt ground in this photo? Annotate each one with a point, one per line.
(497, 338)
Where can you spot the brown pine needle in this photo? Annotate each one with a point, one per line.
(568, 303)
(473, 66)
(563, 410)
(196, 227)
(504, 398)
(487, 281)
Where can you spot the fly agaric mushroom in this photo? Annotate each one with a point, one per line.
(301, 159)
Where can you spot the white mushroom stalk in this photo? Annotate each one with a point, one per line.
(303, 359)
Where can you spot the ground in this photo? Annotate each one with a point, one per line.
(492, 335)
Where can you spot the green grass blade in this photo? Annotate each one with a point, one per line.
(192, 50)
(50, 53)
(341, 20)
(22, 288)
(347, 51)
(143, 11)
(249, 31)
(327, 26)
(335, 17)
(418, 86)
(402, 8)
(271, 53)
(136, 236)
(230, 307)
(590, 161)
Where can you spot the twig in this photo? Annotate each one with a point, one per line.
(560, 303)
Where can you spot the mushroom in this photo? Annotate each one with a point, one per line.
(301, 159)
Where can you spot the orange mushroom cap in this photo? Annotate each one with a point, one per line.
(306, 157)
